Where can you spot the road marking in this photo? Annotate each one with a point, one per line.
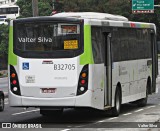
(150, 107)
(100, 121)
(113, 118)
(81, 126)
(139, 110)
(66, 130)
(6, 103)
(25, 112)
(127, 114)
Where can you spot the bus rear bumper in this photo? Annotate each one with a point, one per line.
(76, 101)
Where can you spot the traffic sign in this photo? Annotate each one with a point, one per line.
(142, 6)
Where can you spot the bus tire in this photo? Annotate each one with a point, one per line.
(54, 113)
(117, 103)
(143, 102)
(1, 103)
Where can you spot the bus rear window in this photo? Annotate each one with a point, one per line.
(47, 37)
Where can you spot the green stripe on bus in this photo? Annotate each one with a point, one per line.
(87, 57)
(12, 58)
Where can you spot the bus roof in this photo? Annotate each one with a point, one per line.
(96, 18)
(91, 15)
(101, 19)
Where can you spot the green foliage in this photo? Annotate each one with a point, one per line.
(3, 39)
(25, 8)
(45, 8)
(74, 5)
(1, 74)
(119, 7)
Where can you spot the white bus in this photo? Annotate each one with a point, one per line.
(86, 59)
(3, 21)
(9, 11)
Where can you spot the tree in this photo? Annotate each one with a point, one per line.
(3, 39)
(44, 6)
(118, 7)
(25, 8)
(3, 46)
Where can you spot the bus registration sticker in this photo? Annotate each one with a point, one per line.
(30, 79)
(71, 44)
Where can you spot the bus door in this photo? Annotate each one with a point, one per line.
(108, 69)
(154, 61)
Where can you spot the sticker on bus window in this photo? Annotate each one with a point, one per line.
(71, 44)
(68, 29)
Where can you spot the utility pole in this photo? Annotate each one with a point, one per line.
(35, 8)
(53, 2)
(54, 11)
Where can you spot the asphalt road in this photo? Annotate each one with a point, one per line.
(131, 117)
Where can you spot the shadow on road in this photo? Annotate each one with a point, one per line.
(81, 116)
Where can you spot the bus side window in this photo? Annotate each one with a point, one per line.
(97, 45)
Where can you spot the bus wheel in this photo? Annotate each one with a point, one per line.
(1, 103)
(54, 113)
(143, 102)
(117, 103)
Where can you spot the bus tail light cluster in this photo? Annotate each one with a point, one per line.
(83, 81)
(14, 84)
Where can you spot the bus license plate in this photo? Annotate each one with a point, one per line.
(48, 90)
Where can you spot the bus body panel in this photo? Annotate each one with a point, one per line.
(98, 83)
(14, 100)
(134, 87)
(61, 74)
(84, 100)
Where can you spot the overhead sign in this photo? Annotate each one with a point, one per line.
(142, 6)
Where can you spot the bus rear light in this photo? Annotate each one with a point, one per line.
(82, 88)
(15, 88)
(84, 75)
(13, 75)
(14, 83)
(83, 81)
